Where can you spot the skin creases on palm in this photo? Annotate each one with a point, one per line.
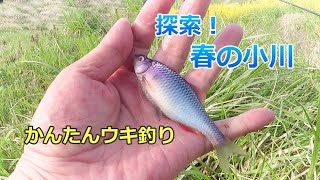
(98, 91)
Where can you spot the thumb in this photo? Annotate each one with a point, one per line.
(110, 54)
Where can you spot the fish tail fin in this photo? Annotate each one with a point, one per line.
(224, 151)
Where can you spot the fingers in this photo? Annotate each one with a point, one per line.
(247, 122)
(232, 128)
(110, 54)
(202, 79)
(143, 27)
(175, 49)
(117, 45)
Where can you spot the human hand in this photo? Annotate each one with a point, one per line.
(101, 90)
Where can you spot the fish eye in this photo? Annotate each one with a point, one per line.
(141, 58)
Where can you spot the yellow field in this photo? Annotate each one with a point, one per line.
(235, 10)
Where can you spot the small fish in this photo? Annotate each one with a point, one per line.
(176, 99)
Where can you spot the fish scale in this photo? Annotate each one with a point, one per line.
(178, 101)
(189, 111)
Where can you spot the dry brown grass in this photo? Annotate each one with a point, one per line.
(32, 14)
(293, 30)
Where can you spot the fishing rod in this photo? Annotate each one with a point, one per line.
(312, 12)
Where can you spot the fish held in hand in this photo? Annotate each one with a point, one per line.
(174, 96)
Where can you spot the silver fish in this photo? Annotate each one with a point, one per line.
(178, 101)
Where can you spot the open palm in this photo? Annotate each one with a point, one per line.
(101, 90)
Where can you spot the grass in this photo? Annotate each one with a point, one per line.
(288, 148)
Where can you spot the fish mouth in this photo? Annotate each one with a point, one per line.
(141, 64)
(140, 68)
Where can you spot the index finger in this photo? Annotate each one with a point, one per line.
(143, 27)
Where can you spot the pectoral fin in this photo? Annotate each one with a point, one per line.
(186, 128)
(147, 100)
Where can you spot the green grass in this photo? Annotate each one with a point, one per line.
(286, 149)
